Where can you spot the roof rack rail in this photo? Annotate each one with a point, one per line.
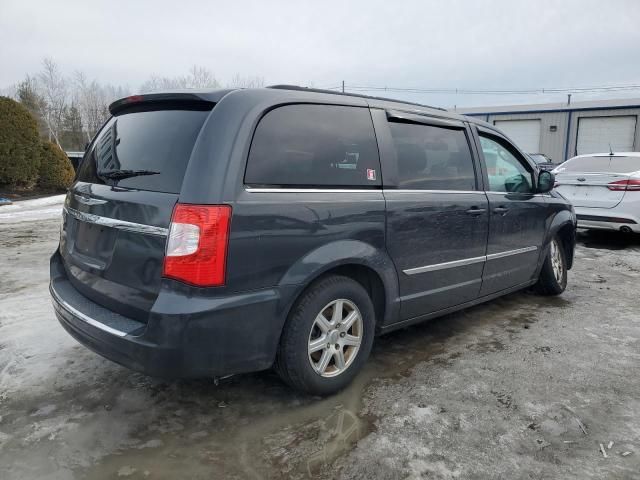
(347, 94)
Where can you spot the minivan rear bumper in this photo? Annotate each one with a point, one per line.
(185, 336)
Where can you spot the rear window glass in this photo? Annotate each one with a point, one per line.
(432, 158)
(153, 141)
(601, 164)
(314, 145)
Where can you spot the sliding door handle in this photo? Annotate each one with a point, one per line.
(500, 210)
(476, 211)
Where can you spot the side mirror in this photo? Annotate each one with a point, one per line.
(546, 181)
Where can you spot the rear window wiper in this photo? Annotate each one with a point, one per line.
(121, 174)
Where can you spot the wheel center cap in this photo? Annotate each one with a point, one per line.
(334, 335)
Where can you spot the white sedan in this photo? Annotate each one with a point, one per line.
(604, 189)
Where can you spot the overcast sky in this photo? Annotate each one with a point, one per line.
(478, 44)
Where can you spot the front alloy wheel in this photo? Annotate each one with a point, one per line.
(553, 275)
(557, 262)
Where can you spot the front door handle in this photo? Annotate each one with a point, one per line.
(476, 211)
(500, 210)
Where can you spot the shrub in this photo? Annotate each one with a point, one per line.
(56, 171)
(19, 144)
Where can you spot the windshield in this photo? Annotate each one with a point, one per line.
(144, 150)
(615, 164)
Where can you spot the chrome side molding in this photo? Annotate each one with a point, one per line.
(311, 190)
(508, 253)
(468, 261)
(442, 266)
(352, 190)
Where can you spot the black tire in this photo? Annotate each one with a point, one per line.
(549, 283)
(293, 362)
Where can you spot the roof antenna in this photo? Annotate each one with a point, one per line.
(610, 150)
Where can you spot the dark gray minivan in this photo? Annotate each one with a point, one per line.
(217, 232)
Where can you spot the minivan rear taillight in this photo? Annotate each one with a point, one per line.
(629, 185)
(197, 244)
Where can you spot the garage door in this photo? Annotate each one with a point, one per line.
(525, 133)
(595, 134)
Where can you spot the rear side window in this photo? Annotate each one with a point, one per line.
(432, 158)
(314, 145)
(607, 163)
(158, 142)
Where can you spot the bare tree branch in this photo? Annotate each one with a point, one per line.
(55, 92)
(198, 77)
(239, 81)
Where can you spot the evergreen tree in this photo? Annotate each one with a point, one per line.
(28, 95)
(72, 138)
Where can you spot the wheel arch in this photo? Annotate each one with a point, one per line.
(362, 262)
(563, 226)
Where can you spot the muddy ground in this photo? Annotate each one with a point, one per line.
(522, 387)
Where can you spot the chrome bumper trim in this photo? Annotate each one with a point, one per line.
(85, 318)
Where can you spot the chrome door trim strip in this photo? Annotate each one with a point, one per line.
(467, 261)
(492, 192)
(119, 224)
(351, 190)
(311, 190)
(85, 318)
(402, 190)
(442, 266)
(508, 253)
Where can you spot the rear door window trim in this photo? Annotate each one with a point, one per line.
(393, 116)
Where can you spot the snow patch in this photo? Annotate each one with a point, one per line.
(44, 411)
(126, 471)
(31, 210)
(4, 438)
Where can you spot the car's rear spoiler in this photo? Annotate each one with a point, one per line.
(196, 99)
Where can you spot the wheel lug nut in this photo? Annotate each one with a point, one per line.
(342, 334)
(337, 346)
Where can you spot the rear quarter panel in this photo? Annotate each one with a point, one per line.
(282, 238)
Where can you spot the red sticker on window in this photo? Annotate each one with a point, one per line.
(371, 174)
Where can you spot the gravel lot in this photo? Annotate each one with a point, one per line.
(522, 387)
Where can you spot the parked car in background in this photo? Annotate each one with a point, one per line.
(604, 189)
(228, 231)
(542, 161)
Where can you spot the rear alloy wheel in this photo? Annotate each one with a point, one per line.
(327, 337)
(335, 338)
(553, 276)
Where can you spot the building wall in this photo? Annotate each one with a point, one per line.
(556, 145)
